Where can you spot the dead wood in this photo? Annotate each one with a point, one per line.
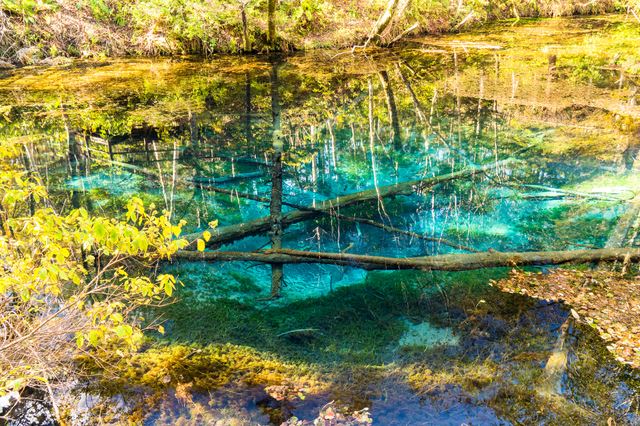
(447, 262)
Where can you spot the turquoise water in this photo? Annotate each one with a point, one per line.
(101, 132)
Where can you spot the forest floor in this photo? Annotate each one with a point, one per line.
(48, 30)
(608, 302)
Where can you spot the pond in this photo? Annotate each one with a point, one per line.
(205, 139)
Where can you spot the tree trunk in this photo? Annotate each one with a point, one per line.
(365, 221)
(275, 207)
(245, 29)
(447, 262)
(247, 108)
(271, 30)
(383, 21)
(416, 102)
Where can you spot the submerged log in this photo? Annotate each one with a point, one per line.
(626, 229)
(447, 262)
(227, 179)
(347, 218)
(262, 225)
(568, 192)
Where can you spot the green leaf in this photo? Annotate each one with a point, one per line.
(141, 243)
(117, 318)
(99, 230)
(124, 331)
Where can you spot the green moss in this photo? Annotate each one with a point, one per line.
(355, 324)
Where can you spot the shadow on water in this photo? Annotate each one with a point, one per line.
(213, 140)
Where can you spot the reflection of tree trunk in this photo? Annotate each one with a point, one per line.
(479, 112)
(73, 154)
(381, 209)
(630, 155)
(110, 149)
(194, 135)
(314, 172)
(174, 176)
(194, 149)
(393, 110)
(420, 112)
(625, 232)
(73, 167)
(416, 102)
(275, 208)
(247, 108)
(333, 144)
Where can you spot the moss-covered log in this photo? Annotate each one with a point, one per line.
(447, 262)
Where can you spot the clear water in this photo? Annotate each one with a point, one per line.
(101, 132)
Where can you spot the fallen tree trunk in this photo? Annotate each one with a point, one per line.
(383, 22)
(262, 225)
(447, 262)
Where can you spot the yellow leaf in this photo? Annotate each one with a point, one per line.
(160, 329)
(201, 245)
(206, 235)
(168, 288)
(79, 340)
(213, 224)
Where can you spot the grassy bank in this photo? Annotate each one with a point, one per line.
(32, 31)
